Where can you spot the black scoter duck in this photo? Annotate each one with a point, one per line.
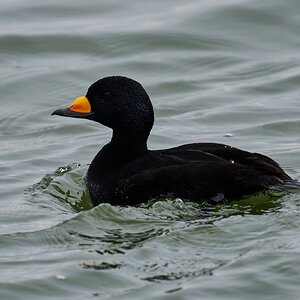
(126, 172)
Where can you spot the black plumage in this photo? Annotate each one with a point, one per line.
(126, 172)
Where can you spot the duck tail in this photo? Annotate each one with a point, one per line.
(288, 186)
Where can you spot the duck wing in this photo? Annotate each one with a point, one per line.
(196, 172)
(195, 181)
(252, 160)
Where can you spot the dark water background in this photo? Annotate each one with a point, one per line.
(220, 71)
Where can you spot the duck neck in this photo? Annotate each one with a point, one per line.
(129, 143)
(123, 147)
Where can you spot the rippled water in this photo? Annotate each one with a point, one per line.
(219, 71)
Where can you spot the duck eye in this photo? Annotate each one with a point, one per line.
(107, 95)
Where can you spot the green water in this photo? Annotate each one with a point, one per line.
(217, 71)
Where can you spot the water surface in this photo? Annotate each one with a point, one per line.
(216, 71)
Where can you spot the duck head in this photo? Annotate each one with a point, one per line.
(117, 102)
